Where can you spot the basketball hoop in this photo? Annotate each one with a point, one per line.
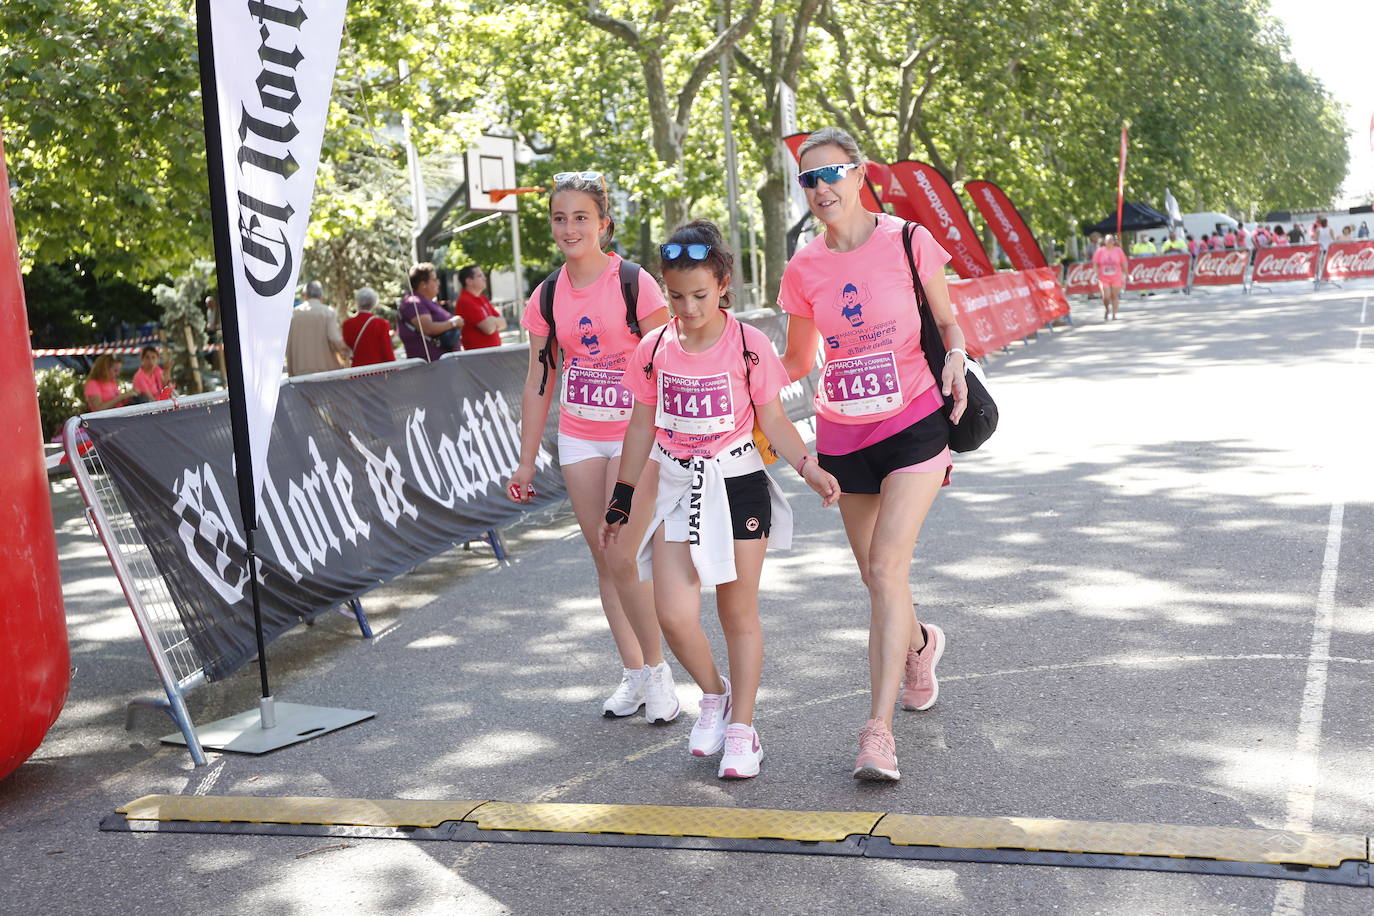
(499, 194)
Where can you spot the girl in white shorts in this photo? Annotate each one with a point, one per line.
(593, 346)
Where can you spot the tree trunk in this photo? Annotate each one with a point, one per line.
(772, 196)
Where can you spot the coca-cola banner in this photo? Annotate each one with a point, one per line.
(1168, 271)
(1349, 260)
(1007, 224)
(1280, 265)
(1221, 268)
(1080, 279)
(938, 209)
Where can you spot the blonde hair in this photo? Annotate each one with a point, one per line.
(100, 369)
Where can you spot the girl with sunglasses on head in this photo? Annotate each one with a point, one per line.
(880, 426)
(592, 345)
(699, 385)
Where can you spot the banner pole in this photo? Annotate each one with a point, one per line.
(1121, 183)
(229, 319)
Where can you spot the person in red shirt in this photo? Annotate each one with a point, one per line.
(368, 335)
(482, 324)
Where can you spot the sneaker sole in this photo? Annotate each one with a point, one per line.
(939, 654)
(712, 752)
(732, 773)
(872, 773)
(612, 714)
(661, 721)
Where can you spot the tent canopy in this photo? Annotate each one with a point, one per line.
(1134, 218)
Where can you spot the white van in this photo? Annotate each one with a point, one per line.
(1199, 224)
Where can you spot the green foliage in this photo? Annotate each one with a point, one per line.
(183, 311)
(59, 398)
(70, 304)
(101, 114)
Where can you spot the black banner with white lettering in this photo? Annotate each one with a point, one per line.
(368, 476)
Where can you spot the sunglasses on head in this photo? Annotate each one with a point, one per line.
(672, 251)
(827, 173)
(587, 175)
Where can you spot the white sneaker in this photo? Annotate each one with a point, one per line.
(708, 735)
(660, 695)
(743, 753)
(628, 697)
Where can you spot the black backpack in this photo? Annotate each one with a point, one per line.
(980, 416)
(629, 290)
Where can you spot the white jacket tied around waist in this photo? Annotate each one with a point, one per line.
(692, 506)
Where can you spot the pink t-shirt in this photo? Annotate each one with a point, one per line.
(1110, 262)
(149, 383)
(705, 401)
(1229, 240)
(105, 391)
(865, 309)
(596, 345)
(1280, 239)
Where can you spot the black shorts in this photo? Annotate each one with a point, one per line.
(863, 472)
(751, 508)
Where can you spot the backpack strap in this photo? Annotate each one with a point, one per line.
(750, 359)
(649, 366)
(547, 359)
(629, 291)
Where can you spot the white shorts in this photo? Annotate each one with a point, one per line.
(571, 449)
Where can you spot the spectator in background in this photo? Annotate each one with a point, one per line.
(1217, 242)
(366, 334)
(314, 342)
(427, 329)
(1242, 237)
(1295, 235)
(1229, 239)
(101, 390)
(1094, 243)
(1347, 233)
(149, 379)
(1174, 243)
(1363, 232)
(1323, 236)
(482, 324)
(1193, 246)
(1110, 262)
(1279, 237)
(1261, 237)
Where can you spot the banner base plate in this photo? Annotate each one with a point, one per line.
(243, 733)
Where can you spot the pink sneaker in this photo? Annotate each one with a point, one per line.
(743, 753)
(920, 688)
(877, 753)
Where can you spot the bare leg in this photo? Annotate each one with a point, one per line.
(677, 598)
(636, 597)
(586, 481)
(738, 605)
(885, 528)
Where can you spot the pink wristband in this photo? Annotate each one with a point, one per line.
(801, 465)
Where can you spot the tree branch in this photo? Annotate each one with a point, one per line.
(708, 59)
(621, 29)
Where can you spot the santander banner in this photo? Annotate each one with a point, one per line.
(936, 207)
(1279, 265)
(1349, 260)
(1167, 272)
(1221, 268)
(1005, 220)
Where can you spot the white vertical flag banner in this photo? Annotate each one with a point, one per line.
(273, 71)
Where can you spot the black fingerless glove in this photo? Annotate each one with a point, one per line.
(618, 512)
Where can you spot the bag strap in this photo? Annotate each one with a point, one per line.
(546, 355)
(649, 366)
(931, 342)
(629, 291)
(361, 331)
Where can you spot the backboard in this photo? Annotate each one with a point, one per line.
(490, 166)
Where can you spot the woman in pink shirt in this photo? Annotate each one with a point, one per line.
(149, 380)
(880, 422)
(1110, 262)
(700, 384)
(593, 348)
(102, 385)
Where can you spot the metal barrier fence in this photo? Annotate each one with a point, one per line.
(175, 660)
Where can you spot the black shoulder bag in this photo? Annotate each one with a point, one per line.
(980, 415)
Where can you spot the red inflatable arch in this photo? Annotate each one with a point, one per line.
(34, 660)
